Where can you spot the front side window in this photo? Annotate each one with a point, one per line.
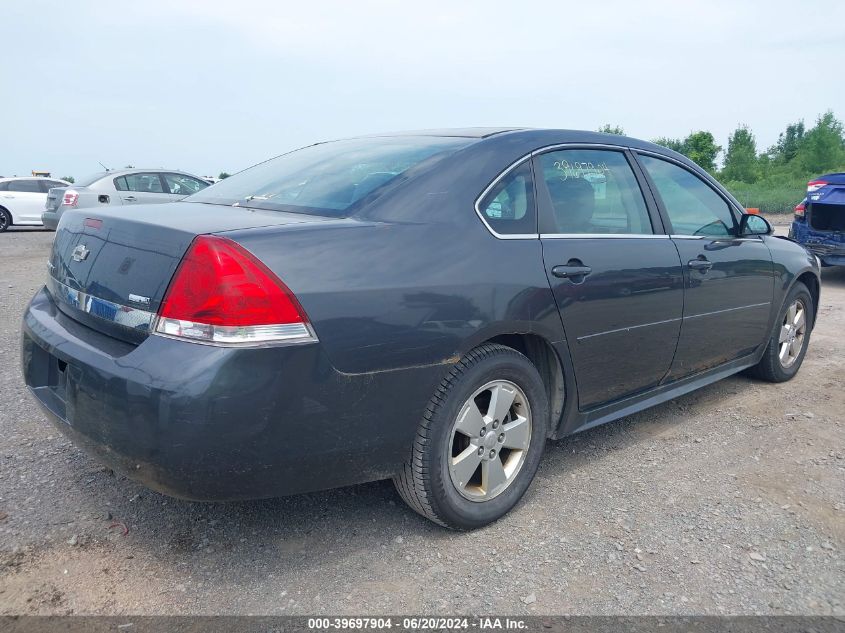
(591, 192)
(692, 206)
(183, 185)
(144, 183)
(25, 186)
(508, 208)
(329, 178)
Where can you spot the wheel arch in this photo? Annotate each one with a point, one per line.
(9, 213)
(545, 358)
(809, 279)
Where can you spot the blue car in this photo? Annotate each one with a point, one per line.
(819, 223)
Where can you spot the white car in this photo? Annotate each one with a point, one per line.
(126, 187)
(22, 200)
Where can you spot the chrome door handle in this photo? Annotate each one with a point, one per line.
(568, 272)
(130, 198)
(700, 264)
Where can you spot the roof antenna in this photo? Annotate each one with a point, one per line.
(103, 166)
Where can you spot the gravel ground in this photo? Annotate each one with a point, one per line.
(727, 501)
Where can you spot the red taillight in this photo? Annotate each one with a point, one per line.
(813, 185)
(221, 293)
(799, 210)
(70, 198)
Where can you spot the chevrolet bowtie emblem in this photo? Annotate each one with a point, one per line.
(80, 253)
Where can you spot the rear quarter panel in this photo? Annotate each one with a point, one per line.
(386, 296)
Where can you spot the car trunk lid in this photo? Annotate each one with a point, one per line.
(54, 198)
(110, 270)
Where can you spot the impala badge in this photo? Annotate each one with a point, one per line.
(80, 253)
(139, 299)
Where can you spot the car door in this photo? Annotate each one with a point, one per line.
(615, 273)
(24, 199)
(182, 185)
(729, 279)
(142, 188)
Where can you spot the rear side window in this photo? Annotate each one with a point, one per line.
(144, 183)
(508, 208)
(4, 186)
(692, 205)
(183, 185)
(591, 192)
(25, 186)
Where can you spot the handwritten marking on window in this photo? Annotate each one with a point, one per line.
(578, 169)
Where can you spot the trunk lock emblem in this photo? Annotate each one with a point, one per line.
(80, 253)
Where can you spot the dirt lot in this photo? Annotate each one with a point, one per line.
(728, 500)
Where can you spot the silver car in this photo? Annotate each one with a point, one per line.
(120, 187)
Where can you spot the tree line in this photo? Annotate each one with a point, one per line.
(774, 179)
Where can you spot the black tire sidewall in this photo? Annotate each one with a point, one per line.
(447, 502)
(799, 291)
(8, 222)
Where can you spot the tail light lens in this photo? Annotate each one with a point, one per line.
(70, 198)
(799, 210)
(222, 294)
(814, 185)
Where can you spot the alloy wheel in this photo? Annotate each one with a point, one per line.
(792, 332)
(490, 440)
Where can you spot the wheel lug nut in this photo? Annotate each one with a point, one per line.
(480, 450)
(501, 437)
(492, 454)
(483, 431)
(495, 424)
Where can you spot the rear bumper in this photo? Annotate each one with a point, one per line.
(828, 246)
(50, 219)
(211, 423)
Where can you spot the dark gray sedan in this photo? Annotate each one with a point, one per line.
(428, 307)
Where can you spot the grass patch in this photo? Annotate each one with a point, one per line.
(767, 196)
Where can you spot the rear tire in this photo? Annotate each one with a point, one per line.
(463, 477)
(788, 344)
(5, 219)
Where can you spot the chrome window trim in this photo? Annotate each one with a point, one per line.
(551, 148)
(488, 189)
(702, 175)
(543, 150)
(612, 236)
(726, 238)
(85, 302)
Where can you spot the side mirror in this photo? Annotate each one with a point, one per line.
(753, 224)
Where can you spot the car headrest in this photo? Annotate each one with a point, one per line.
(573, 201)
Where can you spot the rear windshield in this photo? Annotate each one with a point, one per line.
(90, 180)
(329, 178)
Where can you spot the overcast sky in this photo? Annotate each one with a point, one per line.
(216, 85)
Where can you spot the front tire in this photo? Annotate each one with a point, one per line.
(5, 219)
(788, 344)
(479, 444)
